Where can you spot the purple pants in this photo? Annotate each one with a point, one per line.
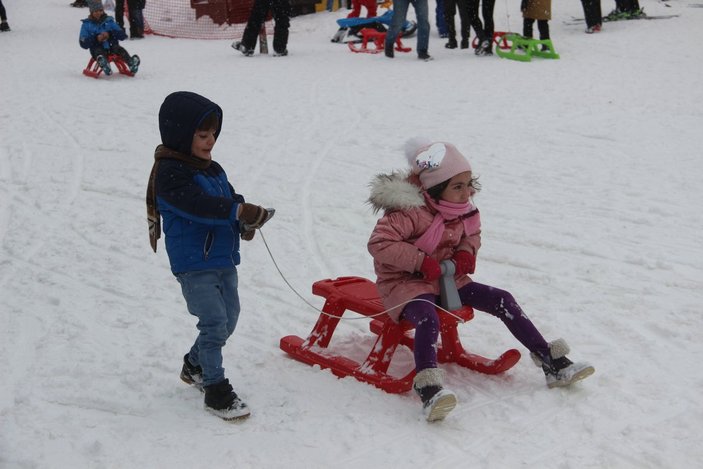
(499, 303)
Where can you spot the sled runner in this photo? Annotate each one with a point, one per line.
(523, 49)
(93, 68)
(361, 296)
(378, 39)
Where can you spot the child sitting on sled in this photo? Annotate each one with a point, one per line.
(429, 217)
(101, 35)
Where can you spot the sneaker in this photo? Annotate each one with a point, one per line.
(104, 64)
(596, 28)
(484, 48)
(243, 49)
(191, 374)
(4, 27)
(134, 64)
(423, 55)
(222, 401)
(283, 53)
(451, 44)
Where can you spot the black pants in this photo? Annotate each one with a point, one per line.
(542, 25)
(135, 16)
(281, 18)
(487, 7)
(114, 49)
(591, 10)
(450, 7)
(3, 14)
(472, 11)
(627, 5)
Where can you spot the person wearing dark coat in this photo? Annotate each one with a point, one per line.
(134, 14)
(281, 18)
(4, 26)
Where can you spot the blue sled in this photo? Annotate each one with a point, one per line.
(384, 19)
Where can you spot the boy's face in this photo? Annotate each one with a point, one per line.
(96, 14)
(203, 141)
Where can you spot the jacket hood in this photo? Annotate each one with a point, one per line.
(395, 191)
(179, 117)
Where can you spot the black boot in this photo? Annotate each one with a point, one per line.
(451, 43)
(437, 402)
(191, 374)
(221, 400)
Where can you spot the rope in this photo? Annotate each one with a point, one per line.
(263, 238)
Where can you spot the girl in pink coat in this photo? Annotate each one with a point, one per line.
(429, 217)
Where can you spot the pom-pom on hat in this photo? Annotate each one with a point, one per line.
(434, 162)
(95, 5)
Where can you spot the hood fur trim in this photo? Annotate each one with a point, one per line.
(395, 191)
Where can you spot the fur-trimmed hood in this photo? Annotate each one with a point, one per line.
(399, 190)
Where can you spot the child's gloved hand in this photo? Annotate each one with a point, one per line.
(248, 235)
(430, 269)
(465, 262)
(253, 216)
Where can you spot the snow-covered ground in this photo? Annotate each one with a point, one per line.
(591, 171)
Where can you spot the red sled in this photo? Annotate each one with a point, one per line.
(361, 296)
(498, 38)
(94, 70)
(378, 39)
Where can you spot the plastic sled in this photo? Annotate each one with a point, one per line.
(378, 40)
(523, 49)
(350, 28)
(94, 70)
(498, 39)
(361, 296)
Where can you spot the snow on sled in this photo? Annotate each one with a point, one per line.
(361, 296)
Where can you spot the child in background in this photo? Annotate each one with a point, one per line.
(203, 220)
(101, 35)
(536, 10)
(4, 26)
(429, 217)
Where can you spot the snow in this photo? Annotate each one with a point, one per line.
(590, 167)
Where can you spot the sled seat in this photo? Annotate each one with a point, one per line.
(378, 39)
(94, 70)
(360, 295)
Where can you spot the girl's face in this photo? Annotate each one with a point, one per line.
(203, 141)
(460, 189)
(97, 14)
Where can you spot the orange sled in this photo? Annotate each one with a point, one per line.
(94, 70)
(378, 39)
(361, 296)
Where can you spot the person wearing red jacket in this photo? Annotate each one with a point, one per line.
(429, 217)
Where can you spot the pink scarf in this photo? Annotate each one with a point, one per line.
(468, 213)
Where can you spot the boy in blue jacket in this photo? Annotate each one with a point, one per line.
(101, 35)
(203, 219)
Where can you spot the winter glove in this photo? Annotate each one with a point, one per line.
(465, 262)
(430, 269)
(252, 216)
(248, 235)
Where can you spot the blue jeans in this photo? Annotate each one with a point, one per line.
(211, 296)
(400, 12)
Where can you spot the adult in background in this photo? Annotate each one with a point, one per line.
(281, 18)
(4, 27)
(400, 12)
(135, 16)
(594, 17)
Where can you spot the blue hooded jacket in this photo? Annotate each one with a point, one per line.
(90, 29)
(196, 201)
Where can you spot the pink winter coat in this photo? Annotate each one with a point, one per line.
(396, 259)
